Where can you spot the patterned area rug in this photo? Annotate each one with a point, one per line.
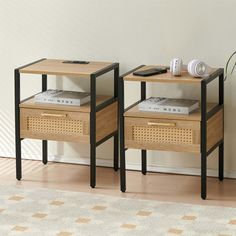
(42, 212)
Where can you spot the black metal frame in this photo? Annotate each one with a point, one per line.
(143, 152)
(44, 142)
(93, 110)
(122, 138)
(205, 116)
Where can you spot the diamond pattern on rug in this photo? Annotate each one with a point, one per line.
(144, 213)
(175, 231)
(128, 226)
(99, 208)
(225, 235)
(82, 220)
(232, 222)
(48, 212)
(39, 215)
(16, 198)
(56, 203)
(65, 234)
(189, 217)
(19, 228)
(1, 210)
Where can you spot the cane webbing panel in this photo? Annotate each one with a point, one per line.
(62, 126)
(162, 135)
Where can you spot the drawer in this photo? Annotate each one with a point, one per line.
(54, 125)
(162, 134)
(58, 125)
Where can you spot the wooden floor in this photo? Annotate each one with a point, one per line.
(153, 186)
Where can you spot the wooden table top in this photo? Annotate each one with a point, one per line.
(165, 78)
(57, 67)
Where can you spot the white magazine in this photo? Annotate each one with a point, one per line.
(169, 105)
(63, 97)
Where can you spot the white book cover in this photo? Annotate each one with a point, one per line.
(63, 97)
(169, 105)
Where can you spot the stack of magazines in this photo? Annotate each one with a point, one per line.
(169, 105)
(63, 97)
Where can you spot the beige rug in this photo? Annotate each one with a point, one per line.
(42, 212)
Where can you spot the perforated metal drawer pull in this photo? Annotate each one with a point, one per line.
(161, 124)
(53, 115)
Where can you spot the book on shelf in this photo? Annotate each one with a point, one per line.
(63, 97)
(169, 105)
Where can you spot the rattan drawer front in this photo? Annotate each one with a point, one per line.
(156, 134)
(162, 135)
(54, 125)
(58, 125)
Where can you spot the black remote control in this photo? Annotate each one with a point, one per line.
(76, 62)
(152, 71)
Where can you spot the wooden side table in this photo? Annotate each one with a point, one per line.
(93, 123)
(201, 132)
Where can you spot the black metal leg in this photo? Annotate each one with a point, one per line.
(93, 131)
(144, 162)
(143, 152)
(92, 165)
(221, 161)
(17, 125)
(45, 151)
(221, 147)
(203, 175)
(44, 142)
(122, 141)
(203, 140)
(122, 170)
(116, 143)
(116, 152)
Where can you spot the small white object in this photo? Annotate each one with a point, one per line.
(176, 65)
(198, 68)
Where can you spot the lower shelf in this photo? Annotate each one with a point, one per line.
(30, 103)
(195, 115)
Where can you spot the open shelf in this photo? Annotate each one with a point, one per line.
(195, 115)
(30, 103)
(165, 78)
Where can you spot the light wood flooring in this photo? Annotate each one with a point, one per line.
(153, 186)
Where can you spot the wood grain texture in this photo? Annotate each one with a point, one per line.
(194, 116)
(57, 67)
(106, 121)
(170, 141)
(54, 128)
(30, 103)
(166, 77)
(214, 129)
(190, 148)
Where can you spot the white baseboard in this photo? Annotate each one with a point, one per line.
(129, 165)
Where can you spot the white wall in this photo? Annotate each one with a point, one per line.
(131, 32)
